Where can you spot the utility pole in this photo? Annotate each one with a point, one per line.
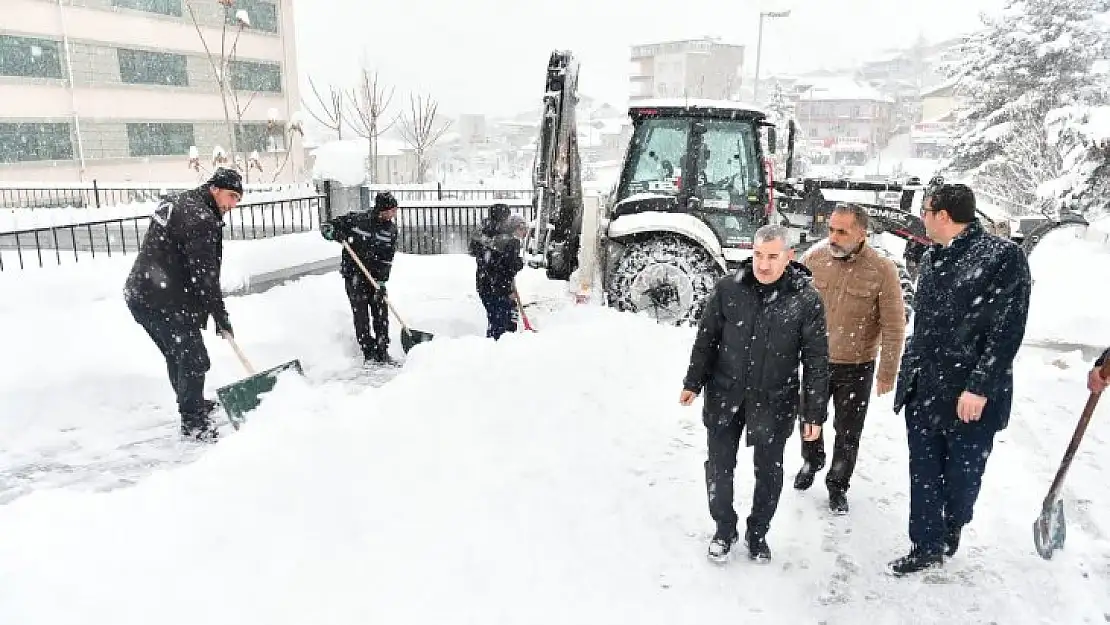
(759, 48)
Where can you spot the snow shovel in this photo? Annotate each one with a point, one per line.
(1049, 529)
(409, 337)
(239, 398)
(520, 309)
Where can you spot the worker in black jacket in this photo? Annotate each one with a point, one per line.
(496, 251)
(373, 236)
(758, 326)
(174, 286)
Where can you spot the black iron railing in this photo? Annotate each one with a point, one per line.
(124, 235)
(97, 194)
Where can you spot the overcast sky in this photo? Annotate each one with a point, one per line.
(490, 55)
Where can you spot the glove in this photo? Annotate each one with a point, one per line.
(327, 230)
(223, 326)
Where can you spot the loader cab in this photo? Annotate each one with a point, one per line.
(700, 157)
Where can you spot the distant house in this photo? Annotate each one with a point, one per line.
(348, 161)
(851, 120)
(932, 136)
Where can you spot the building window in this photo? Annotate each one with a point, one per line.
(29, 57)
(35, 142)
(247, 76)
(263, 15)
(165, 7)
(137, 67)
(159, 139)
(257, 137)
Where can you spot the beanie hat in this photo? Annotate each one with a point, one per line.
(384, 201)
(498, 213)
(229, 179)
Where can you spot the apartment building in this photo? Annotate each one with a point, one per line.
(121, 90)
(850, 120)
(696, 68)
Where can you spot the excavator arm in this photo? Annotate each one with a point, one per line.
(557, 177)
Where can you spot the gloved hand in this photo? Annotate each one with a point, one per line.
(223, 326)
(327, 230)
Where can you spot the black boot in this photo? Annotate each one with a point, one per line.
(199, 428)
(915, 561)
(838, 502)
(805, 476)
(758, 551)
(952, 541)
(722, 543)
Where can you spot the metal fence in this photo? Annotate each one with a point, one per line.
(96, 194)
(250, 220)
(431, 219)
(437, 192)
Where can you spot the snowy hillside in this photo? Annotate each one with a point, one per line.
(547, 478)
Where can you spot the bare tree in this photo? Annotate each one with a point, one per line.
(331, 108)
(223, 70)
(369, 102)
(419, 130)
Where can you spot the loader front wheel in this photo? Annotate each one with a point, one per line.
(665, 277)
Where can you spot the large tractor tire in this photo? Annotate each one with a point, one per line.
(664, 276)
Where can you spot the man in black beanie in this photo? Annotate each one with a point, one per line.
(373, 236)
(174, 286)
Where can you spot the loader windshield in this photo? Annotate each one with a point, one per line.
(725, 174)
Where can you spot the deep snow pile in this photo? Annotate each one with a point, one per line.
(547, 478)
(1070, 286)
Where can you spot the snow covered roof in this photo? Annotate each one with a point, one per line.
(841, 88)
(935, 89)
(728, 105)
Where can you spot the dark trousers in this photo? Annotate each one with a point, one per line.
(850, 392)
(724, 442)
(499, 315)
(178, 337)
(946, 471)
(366, 303)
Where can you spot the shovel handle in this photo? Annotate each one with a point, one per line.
(366, 272)
(520, 309)
(238, 352)
(1073, 446)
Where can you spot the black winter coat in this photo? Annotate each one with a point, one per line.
(178, 267)
(972, 303)
(498, 261)
(750, 342)
(372, 238)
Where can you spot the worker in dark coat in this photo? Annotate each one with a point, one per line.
(956, 379)
(174, 287)
(758, 326)
(496, 249)
(373, 237)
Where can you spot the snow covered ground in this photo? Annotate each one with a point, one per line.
(547, 478)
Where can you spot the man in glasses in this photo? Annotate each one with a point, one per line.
(956, 378)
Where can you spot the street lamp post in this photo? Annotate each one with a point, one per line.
(759, 48)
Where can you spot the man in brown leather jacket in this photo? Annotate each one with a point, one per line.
(864, 311)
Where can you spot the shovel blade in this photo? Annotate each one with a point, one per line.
(411, 338)
(239, 398)
(1050, 530)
